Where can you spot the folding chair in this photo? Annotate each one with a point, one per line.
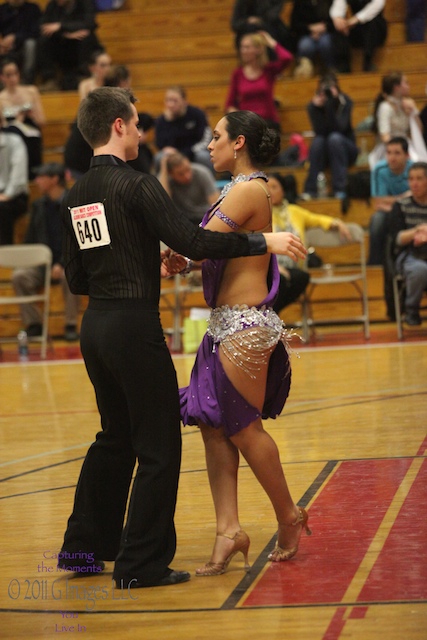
(354, 275)
(22, 256)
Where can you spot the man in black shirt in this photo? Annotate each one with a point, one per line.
(114, 218)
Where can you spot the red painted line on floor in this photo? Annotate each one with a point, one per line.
(358, 613)
(400, 572)
(423, 448)
(336, 625)
(344, 519)
(338, 622)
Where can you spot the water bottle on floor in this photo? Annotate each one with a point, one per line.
(23, 346)
(322, 185)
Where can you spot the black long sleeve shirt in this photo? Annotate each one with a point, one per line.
(23, 21)
(139, 214)
(81, 15)
(335, 115)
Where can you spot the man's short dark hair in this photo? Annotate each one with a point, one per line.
(99, 110)
(179, 89)
(419, 165)
(52, 169)
(401, 141)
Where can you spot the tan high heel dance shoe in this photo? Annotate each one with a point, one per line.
(278, 554)
(241, 544)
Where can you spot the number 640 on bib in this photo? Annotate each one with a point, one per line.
(90, 225)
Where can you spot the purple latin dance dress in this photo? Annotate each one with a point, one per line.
(247, 335)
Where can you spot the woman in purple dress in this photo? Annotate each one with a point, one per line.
(242, 371)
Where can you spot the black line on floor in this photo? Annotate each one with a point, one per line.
(31, 493)
(315, 605)
(262, 560)
(49, 466)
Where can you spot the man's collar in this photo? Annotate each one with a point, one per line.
(107, 159)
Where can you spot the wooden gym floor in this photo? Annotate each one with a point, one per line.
(353, 444)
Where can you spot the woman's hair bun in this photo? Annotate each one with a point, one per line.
(263, 143)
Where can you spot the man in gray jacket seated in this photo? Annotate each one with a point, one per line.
(190, 185)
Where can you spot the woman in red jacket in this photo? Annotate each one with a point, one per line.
(252, 84)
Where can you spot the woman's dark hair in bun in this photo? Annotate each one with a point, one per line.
(263, 144)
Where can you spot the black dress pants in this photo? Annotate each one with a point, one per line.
(10, 211)
(290, 290)
(136, 389)
(367, 36)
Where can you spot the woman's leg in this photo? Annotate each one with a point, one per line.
(261, 452)
(222, 461)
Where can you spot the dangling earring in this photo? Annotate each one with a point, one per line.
(235, 154)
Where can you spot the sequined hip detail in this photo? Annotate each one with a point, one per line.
(247, 335)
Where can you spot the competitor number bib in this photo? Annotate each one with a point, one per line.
(90, 225)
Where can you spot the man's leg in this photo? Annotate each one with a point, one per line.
(378, 228)
(27, 282)
(342, 153)
(10, 210)
(317, 160)
(415, 272)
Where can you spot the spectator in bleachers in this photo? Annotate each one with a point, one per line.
(366, 29)
(13, 183)
(250, 16)
(295, 219)
(408, 224)
(66, 42)
(19, 30)
(45, 227)
(191, 186)
(182, 127)
(118, 75)
(396, 114)
(22, 110)
(252, 83)
(334, 143)
(416, 13)
(99, 68)
(389, 182)
(311, 26)
(77, 152)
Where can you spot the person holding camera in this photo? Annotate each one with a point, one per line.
(334, 143)
(22, 111)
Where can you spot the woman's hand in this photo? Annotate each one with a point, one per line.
(342, 228)
(285, 244)
(341, 25)
(171, 263)
(269, 40)
(409, 106)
